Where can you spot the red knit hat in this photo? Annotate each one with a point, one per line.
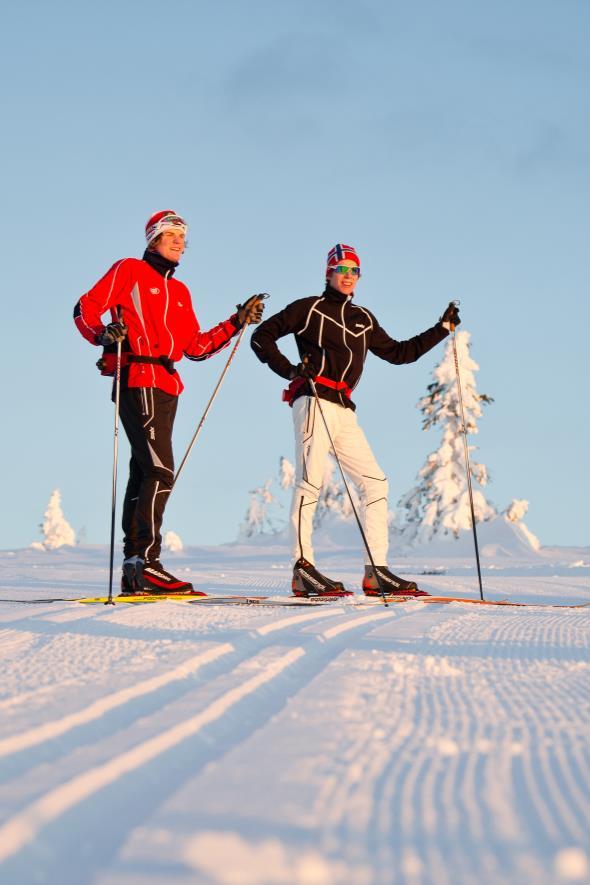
(340, 252)
(162, 221)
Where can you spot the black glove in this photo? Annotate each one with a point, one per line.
(450, 317)
(113, 333)
(304, 369)
(251, 310)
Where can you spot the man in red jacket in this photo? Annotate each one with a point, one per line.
(152, 315)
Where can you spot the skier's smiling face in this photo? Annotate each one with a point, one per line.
(345, 282)
(171, 244)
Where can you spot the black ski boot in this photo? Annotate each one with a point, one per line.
(129, 585)
(152, 578)
(307, 581)
(392, 585)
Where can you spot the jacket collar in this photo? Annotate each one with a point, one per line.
(335, 296)
(160, 264)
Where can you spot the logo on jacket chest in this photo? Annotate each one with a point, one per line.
(155, 290)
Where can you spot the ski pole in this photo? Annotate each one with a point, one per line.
(354, 510)
(115, 461)
(466, 450)
(210, 403)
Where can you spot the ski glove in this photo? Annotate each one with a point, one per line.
(251, 310)
(304, 369)
(113, 333)
(450, 318)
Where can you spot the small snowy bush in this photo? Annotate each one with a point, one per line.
(173, 542)
(57, 532)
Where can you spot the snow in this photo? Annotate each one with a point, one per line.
(188, 743)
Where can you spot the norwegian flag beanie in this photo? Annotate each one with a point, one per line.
(340, 252)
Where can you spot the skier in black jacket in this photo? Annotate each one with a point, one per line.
(333, 336)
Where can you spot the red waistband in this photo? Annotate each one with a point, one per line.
(296, 384)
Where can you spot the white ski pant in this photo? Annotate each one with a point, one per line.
(358, 462)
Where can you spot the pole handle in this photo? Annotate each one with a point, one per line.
(454, 303)
(262, 296)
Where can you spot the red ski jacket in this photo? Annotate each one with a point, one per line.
(160, 319)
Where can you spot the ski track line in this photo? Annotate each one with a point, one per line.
(24, 826)
(331, 632)
(17, 832)
(564, 804)
(14, 641)
(58, 727)
(422, 785)
(561, 809)
(296, 619)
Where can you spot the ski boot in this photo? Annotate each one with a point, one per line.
(307, 581)
(151, 579)
(129, 585)
(392, 585)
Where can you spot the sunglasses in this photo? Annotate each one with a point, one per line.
(176, 220)
(166, 223)
(341, 268)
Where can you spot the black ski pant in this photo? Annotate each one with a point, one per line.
(147, 414)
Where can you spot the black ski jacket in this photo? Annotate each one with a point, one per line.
(336, 333)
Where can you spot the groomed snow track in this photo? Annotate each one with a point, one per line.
(162, 744)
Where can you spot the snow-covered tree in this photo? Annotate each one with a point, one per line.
(439, 504)
(259, 518)
(514, 513)
(57, 532)
(286, 474)
(173, 542)
(516, 510)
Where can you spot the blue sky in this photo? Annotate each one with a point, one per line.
(450, 143)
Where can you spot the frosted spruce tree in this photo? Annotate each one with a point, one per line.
(439, 505)
(265, 514)
(57, 532)
(514, 514)
(286, 473)
(259, 518)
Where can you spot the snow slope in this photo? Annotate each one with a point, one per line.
(177, 743)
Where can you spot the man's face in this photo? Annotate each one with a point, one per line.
(171, 244)
(342, 279)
